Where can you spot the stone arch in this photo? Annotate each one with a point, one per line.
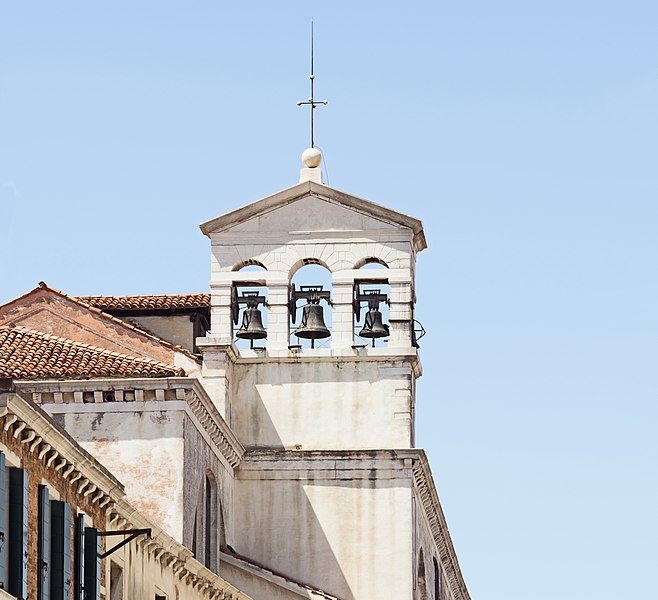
(249, 262)
(421, 585)
(369, 260)
(302, 262)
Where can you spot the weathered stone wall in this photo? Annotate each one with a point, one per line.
(201, 458)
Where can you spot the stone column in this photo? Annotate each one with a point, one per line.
(342, 328)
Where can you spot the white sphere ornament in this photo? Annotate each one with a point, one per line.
(312, 157)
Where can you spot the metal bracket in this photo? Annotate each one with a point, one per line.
(311, 293)
(372, 296)
(131, 533)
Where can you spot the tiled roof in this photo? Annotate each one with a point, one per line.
(158, 302)
(29, 354)
(43, 286)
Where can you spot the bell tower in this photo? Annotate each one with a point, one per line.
(317, 379)
(299, 382)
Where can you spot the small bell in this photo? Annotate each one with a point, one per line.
(373, 326)
(312, 326)
(252, 325)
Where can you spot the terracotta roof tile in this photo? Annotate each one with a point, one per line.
(156, 302)
(43, 286)
(29, 354)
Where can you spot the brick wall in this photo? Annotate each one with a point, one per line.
(38, 473)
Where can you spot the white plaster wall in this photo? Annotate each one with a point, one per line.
(322, 405)
(144, 450)
(352, 539)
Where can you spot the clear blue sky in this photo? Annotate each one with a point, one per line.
(523, 134)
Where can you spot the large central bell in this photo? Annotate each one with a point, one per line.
(252, 325)
(312, 326)
(373, 327)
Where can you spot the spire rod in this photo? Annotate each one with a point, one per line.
(312, 102)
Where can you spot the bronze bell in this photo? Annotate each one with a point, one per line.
(373, 326)
(252, 325)
(312, 326)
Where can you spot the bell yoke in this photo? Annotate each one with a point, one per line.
(312, 326)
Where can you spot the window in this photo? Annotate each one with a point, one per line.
(116, 582)
(92, 564)
(210, 522)
(79, 558)
(437, 580)
(17, 546)
(60, 540)
(43, 542)
(420, 581)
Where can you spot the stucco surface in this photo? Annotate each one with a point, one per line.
(144, 449)
(351, 538)
(322, 405)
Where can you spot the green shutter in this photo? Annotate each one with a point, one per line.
(60, 579)
(43, 555)
(17, 533)
(79, 557)
(3, 518)
(92, 564)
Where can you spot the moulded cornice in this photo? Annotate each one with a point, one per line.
(322, 192)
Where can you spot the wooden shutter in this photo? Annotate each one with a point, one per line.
(79, 557)
(92, 564)
(3, 518)
(43, 552)
(18, 533)
(60, 578)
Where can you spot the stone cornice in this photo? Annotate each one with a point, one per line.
(318, 355)
(389, 464)
(172, 388)
(323, 192)
(430, 500)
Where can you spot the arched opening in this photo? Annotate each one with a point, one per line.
(310, 305)
(249, 308)
(210, 522)
(371, 306)
(421, 585)
(437, 580)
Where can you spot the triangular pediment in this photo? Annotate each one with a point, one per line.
(310, 206)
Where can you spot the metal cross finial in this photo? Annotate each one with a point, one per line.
(312, 102)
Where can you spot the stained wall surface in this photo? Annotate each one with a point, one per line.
(347, 532)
